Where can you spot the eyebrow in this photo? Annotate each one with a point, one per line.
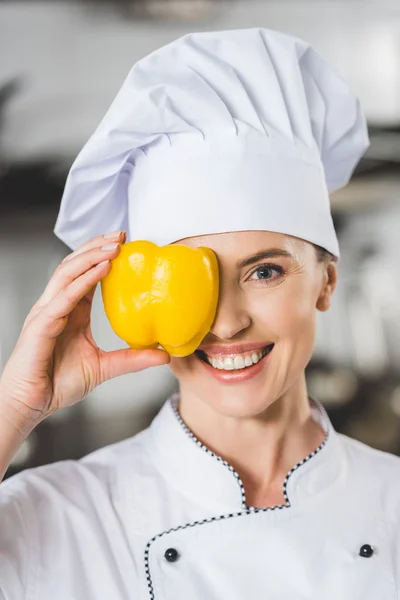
(270, 253)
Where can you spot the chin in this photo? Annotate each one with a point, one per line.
(239, 403)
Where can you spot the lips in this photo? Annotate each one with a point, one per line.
(234, 375)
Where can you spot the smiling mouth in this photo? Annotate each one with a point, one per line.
(235, 362)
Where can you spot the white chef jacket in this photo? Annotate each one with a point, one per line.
(159, 516)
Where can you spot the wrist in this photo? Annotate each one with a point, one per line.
(13, 432)
(16, 417)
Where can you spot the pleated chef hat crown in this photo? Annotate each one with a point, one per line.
(215, 132)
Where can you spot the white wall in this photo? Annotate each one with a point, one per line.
(72, 61)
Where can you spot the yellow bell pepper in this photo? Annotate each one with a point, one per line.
(162, 295)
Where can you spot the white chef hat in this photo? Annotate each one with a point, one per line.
(215, 132)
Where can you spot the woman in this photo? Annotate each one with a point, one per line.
(240, 488)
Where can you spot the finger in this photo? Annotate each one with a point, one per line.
(122, 362)
(56, 283)
(100, 240)
(64, 303)
(67, 272)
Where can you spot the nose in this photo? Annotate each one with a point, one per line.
(231, 317)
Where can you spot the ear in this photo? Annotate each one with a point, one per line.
(330, 276)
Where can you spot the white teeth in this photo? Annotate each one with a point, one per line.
(238, 362)
(228, 364)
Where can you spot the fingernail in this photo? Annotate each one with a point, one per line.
(104, 262)
(113, 235)
(108, 247)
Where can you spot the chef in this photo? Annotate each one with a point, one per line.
(240, 488)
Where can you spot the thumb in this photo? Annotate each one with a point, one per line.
(122, 362)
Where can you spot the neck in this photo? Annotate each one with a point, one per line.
(262, 448)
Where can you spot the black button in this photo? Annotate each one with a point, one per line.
(171, 555)
(366, 550)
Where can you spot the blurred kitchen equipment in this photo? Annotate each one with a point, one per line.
(165, 11)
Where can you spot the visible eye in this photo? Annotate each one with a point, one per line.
(266, 273)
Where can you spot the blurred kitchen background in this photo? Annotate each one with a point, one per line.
(61, 64)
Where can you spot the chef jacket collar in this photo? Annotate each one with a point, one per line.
(207, 480)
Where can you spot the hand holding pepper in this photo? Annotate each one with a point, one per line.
(56, 361)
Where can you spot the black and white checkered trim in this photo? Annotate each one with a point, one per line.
(174, 403)
(246, 510)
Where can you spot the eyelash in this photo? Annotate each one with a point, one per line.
(271, 267)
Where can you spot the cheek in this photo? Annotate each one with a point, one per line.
(180, 366)
(285, 311)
